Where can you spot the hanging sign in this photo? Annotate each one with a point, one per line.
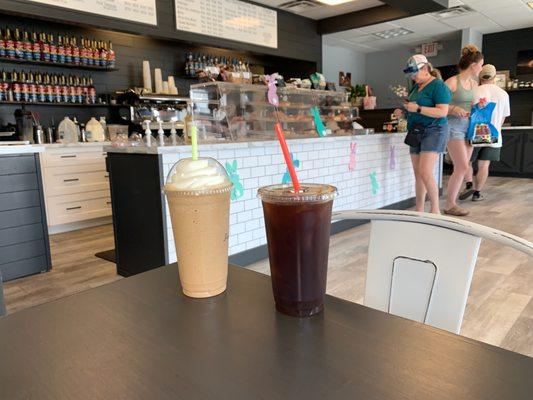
(229, 19)
(142, 11)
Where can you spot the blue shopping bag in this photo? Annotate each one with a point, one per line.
(481, 132)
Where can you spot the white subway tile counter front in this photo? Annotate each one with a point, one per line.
(370, 172)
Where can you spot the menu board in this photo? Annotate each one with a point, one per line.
(228, 19)
(142, 11)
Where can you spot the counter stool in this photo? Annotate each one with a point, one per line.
(420, 265)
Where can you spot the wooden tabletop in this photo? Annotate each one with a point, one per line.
(140, 338)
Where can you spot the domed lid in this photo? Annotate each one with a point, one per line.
(195, 177)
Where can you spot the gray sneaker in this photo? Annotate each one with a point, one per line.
(477, 197)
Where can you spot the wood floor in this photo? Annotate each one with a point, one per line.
(500, 304)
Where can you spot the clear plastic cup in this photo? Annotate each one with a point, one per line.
(198, 195)
(298, 227)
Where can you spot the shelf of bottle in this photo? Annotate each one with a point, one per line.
(55, 64)
(39, 103)
(524, 89)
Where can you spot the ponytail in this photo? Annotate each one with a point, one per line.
(469, 55)
(434, 71)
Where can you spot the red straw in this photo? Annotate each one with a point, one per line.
(287, 156)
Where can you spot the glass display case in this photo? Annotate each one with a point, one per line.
(235, 112)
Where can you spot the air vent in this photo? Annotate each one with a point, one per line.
(452, 12)
(297, 6)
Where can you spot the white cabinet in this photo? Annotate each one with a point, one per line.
(76, 184)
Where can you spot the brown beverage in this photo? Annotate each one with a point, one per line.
(298, 230)
(198, 194)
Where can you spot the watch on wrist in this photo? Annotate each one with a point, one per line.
(419, 109)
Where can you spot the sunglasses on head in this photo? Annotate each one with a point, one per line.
(412, 69)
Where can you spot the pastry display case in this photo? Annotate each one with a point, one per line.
(225, 111)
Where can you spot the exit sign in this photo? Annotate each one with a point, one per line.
(430, 49)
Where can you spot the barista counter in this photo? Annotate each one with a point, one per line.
(517, 153)
(24, 245)
(370, 172)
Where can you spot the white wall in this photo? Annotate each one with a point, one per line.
(335, 59)
(385, 68)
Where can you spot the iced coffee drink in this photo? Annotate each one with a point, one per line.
(198, 194)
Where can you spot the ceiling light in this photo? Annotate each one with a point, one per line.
(390, 33)
(530, 4)
(333, 2)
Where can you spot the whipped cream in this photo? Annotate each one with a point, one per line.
(198, 174)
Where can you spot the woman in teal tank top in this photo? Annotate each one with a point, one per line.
(462, 86)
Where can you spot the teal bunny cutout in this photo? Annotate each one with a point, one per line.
(286, 176)
(374, 183)
(238, 189)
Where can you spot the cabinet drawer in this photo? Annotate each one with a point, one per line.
(79, 210)
(18, 182)
(77, 182)
(21, 234)
(11, 164)
(23, 216)
(17, 200)
(75, 157)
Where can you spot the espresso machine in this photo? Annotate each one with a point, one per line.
(140, 110)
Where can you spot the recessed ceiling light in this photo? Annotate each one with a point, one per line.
(390, 33)
(530, 4)
(333, 2)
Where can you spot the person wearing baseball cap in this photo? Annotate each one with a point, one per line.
(426, 109)
(487, 92)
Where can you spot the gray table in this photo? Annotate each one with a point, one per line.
(139, 338)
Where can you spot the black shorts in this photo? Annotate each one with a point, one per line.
(486, 154)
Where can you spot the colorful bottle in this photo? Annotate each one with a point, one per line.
(15, 85)
(60, 50)
(53, 48)
(27, 47)
(91, 91)
(83, 52)
(35, 47)
(75, 51)
(68, 50)
(19, 46)
(103, 54)
(2, 44)
(45, 47)
(9, 44)
(111, 57)
(96, 54)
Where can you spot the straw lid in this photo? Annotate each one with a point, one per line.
(309, 193)
(196, 177)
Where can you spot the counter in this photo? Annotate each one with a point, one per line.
(370, 172)
(516, 158)
(24, 245)
(21, 149)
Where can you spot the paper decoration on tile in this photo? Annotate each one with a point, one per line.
(319, 125)
(238, 189)
(392, 157)
(286, 179)
(353, 153)
(374, 183)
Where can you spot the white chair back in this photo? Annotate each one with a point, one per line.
(420, 266)
(420, 272)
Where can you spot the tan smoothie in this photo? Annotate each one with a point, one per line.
(198, 195)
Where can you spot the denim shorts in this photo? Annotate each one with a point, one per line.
(433, 140)
(458, 128)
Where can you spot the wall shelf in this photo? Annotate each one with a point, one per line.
(38, 103)
(527, 89)
(55, 64)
